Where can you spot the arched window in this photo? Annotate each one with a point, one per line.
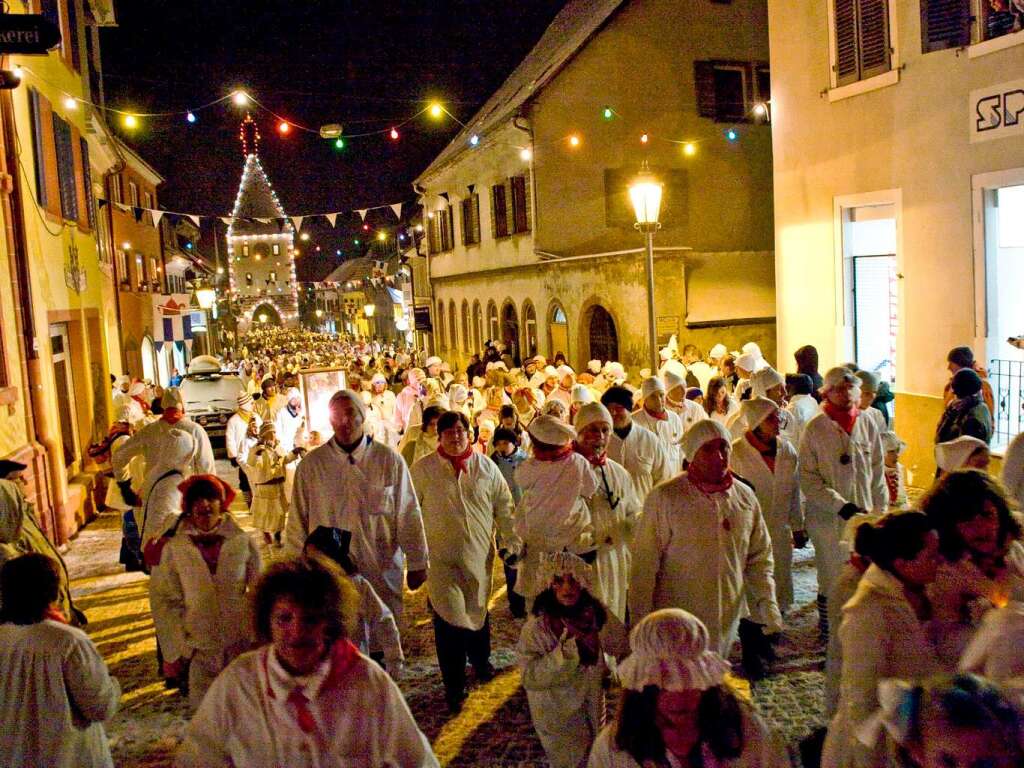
(467, 337)
(492, 321)
(439, 327)
(529, 329)
(509, 334)
(601, 333)
(558, 331)
(478, 327)
(452, 327)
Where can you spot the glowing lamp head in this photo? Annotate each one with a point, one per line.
(339, 143)
(474, 140)
(263, 318)
(319, 313)
(436, 110)
(190, 117)
(645, 194)
(366, 227)
(574, 141)
(283, 127)
(732, 134)
(220, 270)
(760, 109)
(304, 236)
(240, 99)
(17, 71)
(689, 149)
(393, 134)
(130, 121)
(369, 309)
(381, 236)
(607, 113)
(206, 297)
(526, 154)
(644, 138)
(70, 102)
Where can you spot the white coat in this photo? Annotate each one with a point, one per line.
(134, 472)
(55, 693)
(828, 484)
(150, 442)
(669, 431)
(237, 442)
(460, 515)
(707, 554)
(567, 700)
(687, 410)
(643, 456)
(265, 468)
(778, 493)
(802, 408)
(289, 429)
(376, 619)
(881, 638)
(995, 650)
(614, 512)
(245, 721)
(369, 493)
(1013, 469)
(760, 749)
(385, 405)
(161, 505)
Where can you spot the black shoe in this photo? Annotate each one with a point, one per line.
(455, 702)
(485, 673)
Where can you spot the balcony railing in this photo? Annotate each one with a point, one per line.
(1007, 380)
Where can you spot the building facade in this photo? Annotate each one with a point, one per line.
(899, 192)
(529, 221)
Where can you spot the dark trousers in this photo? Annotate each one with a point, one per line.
(454, 646)
(516, 602)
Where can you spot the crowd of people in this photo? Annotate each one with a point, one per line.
(645, 526)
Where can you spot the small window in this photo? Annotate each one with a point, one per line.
(273, 277)
(36, 102)
(947, 23)
(441, 236)
(115, 188)
(499, 211)
(133, 194)
(248, 279)
(471, 220)
(862, 46)
(154, 271)
(90, 201)
(245, 250)
(728, 90)
(122, 268)
(276, 249)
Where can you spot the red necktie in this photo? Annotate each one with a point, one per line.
(302, 712)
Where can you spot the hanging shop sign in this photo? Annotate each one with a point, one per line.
(30, 34)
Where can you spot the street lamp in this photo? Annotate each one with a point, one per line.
(206, 296)
(645, 194)
(369, 309)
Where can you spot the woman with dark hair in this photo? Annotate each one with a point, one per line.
(884, 632)
(677, 709)
(55, 690)
(807, 363)
(421, 439)
(967, 413)
(983, 557)
(307, 696)
(207, 564)
(718, 402)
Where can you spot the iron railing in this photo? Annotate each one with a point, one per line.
(1007, 380)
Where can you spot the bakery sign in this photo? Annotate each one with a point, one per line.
(997, 112)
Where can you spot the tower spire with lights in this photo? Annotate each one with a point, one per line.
(249, 135)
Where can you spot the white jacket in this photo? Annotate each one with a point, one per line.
(778, 493)
(194, 609)
(289, 429)
(1013, 468)
(707, 554)
(995, 650)
(237, 443)
(369, 493)
(245, 721)
(828, 484)
(802, 408)
(376, 619)
(643, 456)
(669, 430)
(460, 516)
(881, 638)
(614, 512)
(150, 442)
(55, 693)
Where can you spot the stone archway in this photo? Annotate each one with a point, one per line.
(266, 314)
(509, 332)
(601, 334)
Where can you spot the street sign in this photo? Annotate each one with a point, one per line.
(422, 316)
(30, 34)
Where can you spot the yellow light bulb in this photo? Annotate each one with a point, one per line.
(130, 121)
(574, 141)
(436, 110)
(381, 236)
(240, 98)
(689, 149)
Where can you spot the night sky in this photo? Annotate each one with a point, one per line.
(367, 65)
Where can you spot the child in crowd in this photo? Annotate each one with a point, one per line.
(484, 436)
(265, 468)
(895, 473)
(508, 456)
(561, 654)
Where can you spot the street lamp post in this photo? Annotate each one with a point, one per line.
(645, 194)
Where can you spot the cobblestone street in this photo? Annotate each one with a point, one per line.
(493, 729)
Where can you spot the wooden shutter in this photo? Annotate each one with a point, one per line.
(475, 211)
(519, 221)
(81, 179)
(499, 211)
(47, 182)
(874, 38)
(945, 24)
(65, 148)
(704, 84)
(90, 201)
(847, 64)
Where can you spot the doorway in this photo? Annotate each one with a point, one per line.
(558, 332)
(510, 331)
(64, 384)
(604, 340)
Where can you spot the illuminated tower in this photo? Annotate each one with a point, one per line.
(260, 239)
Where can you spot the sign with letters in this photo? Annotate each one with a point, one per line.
(30, 34)
(997, 112)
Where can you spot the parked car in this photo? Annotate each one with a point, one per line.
(210, 394)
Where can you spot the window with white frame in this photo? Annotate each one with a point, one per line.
(133, 194)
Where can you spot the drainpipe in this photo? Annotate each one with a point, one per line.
(44, 429)
(533, 177)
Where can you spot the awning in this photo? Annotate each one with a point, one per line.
(396, 296)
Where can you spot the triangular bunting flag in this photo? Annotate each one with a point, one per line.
(194, 217)
(397, 208)
(137, 213)
(362, 213)
(297, 221)
(157, 215)
(331, 217)
(101, 202)
(122, 207)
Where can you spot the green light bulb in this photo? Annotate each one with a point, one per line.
(339, 143)
(608, 113)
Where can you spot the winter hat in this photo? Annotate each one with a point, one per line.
(551, 431)
(673, 381)
(565, 370)
(694, 392)
(171, 398)
(379, 378)
(589, 414)
(892, 442)
(757, 409)
(704, 431)
(267, 428)
(123, 413)
(293, 394)
(432, 361)
(136, 389)
(651, 385)
(594, 366)
(618, 396)
(953, 454)
(718, 352)
(747, 362)
(751, 348)
(352, 397)
(458, 394)
(226, 492)
(869, 382)
(550, 372)
(244, 401)
(645, 373)
(580, 393)
(615, 371)
(665, 354)
(966, 382)
(962, 356)
(557, 408)
(670, 651)
(565, 563)
(479, 382)
(765, 379)
(122, 380)
(836, 376)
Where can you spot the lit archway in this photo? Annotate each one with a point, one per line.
(558, 331)
(453, 327)
(601, 335)
(266, 314)
(529, 329)
(492, 321)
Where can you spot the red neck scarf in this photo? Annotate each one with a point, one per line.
(209, 546)
(767, 450)
(663, 416)
(845, 419)
(460, 462)
(172, 415)
(344, 655)
(708, 486)
(551, 454)
(141, 402)
(596, 460)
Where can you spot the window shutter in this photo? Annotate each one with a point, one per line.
(38, 145)
(847, 64)
(475, 209)
(945, 24)
(65, 168)
(517, 184)
(449, 214)
(704, 85)
(874, 38)
(81, 194)
(90, 201)
(500, 205)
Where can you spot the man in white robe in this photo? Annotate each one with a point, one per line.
(635, 447)
(240, 435)
(696, 366)
(614, 508)
(842, 473)
(289, 423)
(771, 384)
(464, 500)
(360, 485)
(702, 545)
(666, 424)
(677, 402)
